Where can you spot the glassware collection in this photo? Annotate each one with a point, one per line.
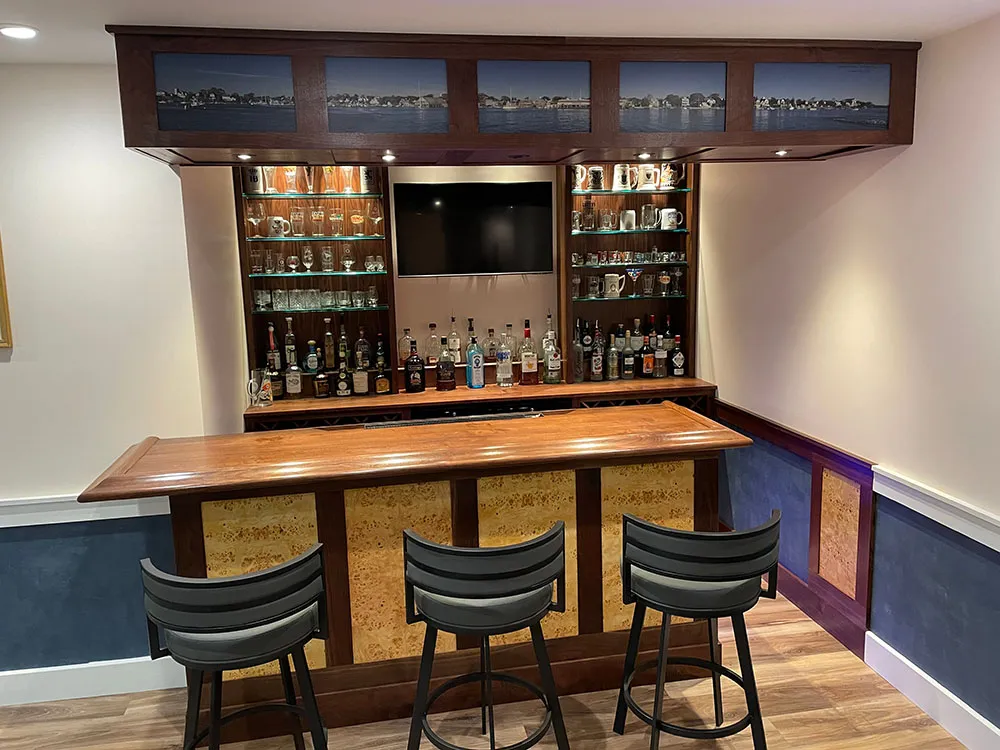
(664, 283)
(292, 180)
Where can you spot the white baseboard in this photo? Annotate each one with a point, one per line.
(961, 721)
(89, 680)
(39, 511)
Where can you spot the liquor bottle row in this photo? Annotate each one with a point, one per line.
(333, 368)
(642, 352)
(431, 348)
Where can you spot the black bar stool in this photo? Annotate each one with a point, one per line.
(701, 575)
(485, 591)
(214, 624)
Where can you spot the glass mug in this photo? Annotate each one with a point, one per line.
(609, 220)
(575, 281)
(649, 215)
(595, 286)
(259, 387)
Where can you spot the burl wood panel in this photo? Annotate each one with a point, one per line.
(838, 531)
(376, 518)
(518, 507)
(246, 536)
(662, 493)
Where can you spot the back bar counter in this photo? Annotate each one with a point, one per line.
(242, 503)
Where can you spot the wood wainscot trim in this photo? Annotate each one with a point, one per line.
(331, 527)
(589, 570)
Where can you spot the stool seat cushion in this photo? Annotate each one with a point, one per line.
(483, 615)
(246, 647)
(695, 597)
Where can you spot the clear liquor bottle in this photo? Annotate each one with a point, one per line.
(529, 357)
(578, 368)
(597, 353)
(311, 364)
(291, 355)
(549, 337)
(433, 346)
(475, 365)
(329, 348)
(404, 346)
(293, 381)
(344, 349)
(635, 339)
(611, 360)
(455, 341)
(273, 353)
(343, 380)
(445, 368)
(513, 343)
(490, 345)
(677, 359)
(660, 359)
(505, 364)
(362, 351)
(414, 371)
(552, 356)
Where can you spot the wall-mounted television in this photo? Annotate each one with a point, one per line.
(473, 228)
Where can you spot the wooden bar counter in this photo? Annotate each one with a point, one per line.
(241, 503)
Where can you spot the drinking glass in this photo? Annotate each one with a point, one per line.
(343, 298)
(379, 263)
(329, 298)
(326, 259)
(268, 261)
(269, 174)
(256, 260)
(594, 286)
(372, 297)
(677, 273)
(608, 219)
(664, 279)
(347, 256)
(291, 179)
(375, 216)
(337, 223)
(307, 258)
(634, 274)
(602, 258)
(650, 216)
(329, 179)
(575, 281)
(279, 300)
(357, 222)
(310, 177)
(262, 299)
(347, 176)
(297, 218)
(279, 261)
(369, 263)
(358, 299)
(313, 300)
(292, 261)
(647, 286)
(255, 215)
(589, 218)
(577, 219)
(296, 299)
(318, 216)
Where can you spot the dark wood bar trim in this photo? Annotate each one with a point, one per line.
(465, 530)
(706, 494)
(827, 606)
(331, 525)
(589, 569)
(189, 537)
(309, 78)
(815, 516)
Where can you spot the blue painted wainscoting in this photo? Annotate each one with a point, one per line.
(753, 481)
(71, 593)
(936, 600)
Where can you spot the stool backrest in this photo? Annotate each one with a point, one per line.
(213, 605)
(485, 572)
(700, 555)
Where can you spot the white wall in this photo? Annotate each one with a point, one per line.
(856, 300)
(104, 346)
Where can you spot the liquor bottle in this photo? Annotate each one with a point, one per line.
(445, 368)
(321, 385)
(578, 369)
(668, 339)
(311, 364)
(432, 347)
(529, 357)
(343, 348)
(472, 332)
(455, 341)
(660, 359)
(277, 385)
(549, 338)
(273, 353)
(636, 337)
(404, 346)
(651, 329)
(415, 376)
(329, 348)
(611, 360)
(597, 353)
(513, 343)
(475, 365)
(505, 364)
(362, 351)
(553, 362)
(588, 350)
(293, 381)
(383, 381)
(647, 358)
(291, 356)
(343, 380)
(491, 345)
(628, 360)
(359, 378)
(677, 359)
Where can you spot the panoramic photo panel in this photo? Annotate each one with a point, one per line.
(386, 95)
(670, 97)
(232, 93)
(821, 96)
(518, 96)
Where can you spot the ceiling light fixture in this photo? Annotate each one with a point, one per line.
(781, 152)
(244, 157)
(388, 156)
(644, 155)
(16, 31)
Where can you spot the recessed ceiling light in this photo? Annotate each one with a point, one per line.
(644, 155)
(16, 31)
(781, 152)
(437, 202)
(388, 156)
(244, 157)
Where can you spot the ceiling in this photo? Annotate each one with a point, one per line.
(72, 31)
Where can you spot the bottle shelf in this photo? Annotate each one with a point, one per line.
(373, 308)
(629, 296)
(326, 238)
(279, 196)
(632, 192)
(629, 231)
(303, 274)
(599, 266)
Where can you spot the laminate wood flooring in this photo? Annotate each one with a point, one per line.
(815, 695)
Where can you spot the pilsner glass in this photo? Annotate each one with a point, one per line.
(326, 259)
(357, 223)
(256, 260)
(337, 223)
(297, 218)
(318, 216)
(329, 179)
(307, 258)
(291, 179)
(347, 176)
(269, 175)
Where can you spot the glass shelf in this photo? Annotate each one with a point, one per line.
(631, 192)
(599, 266)
(273, 196)
(339, 238)
(315, 273)
(628, 231)
(375, 308)
(629, 296)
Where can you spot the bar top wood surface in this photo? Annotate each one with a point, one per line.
(409, 450)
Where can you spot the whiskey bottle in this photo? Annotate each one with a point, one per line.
(404, 346)
(273, 353)
(359, 378)
(343, 380)
(677, 359)
(321, 385)
(628, 361)
(311, 364)
(611, 359)
(381, 355)
(277, 385)
(588, 350)
(433, 346)
(293, 381)
(597, 353)
(636, 337)
(329, 348)
(647, 358)
(445, 368)
(491, 345)
(455, 341)
(362, 352)
(291, 356)
(529, 357)
(414, 371)
(578, 369)
(475, 365)
(343, 348)
(660, 359)
(505, 364)
(383, 383)
(553, 361)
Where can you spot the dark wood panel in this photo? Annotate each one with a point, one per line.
(706, 494)
(189, 537)
(465, 530)
(589, 570)
(331, 524)
(825, 605)
(815, 517)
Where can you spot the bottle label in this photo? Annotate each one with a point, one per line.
(445, 372)
(290, 354)
(381, 385)
(321, 387)
(415, 376)
(274, 359)
(277, 387)
(678, 362)
(554, 362)
(312, 362)
(661, 354)
(635, 343)
(343, 388)
(597, 364)
(360, 381)
(293, 382)
(588, 340)
(477, 371)
(529, 362)
(647, 364)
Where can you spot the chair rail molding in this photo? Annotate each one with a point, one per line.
(40, 511)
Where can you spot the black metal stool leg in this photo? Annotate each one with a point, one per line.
(423, 686)
(631, 654)
(716, 658)
(289, 686)
(749, 683)
(482, 684)
(194, 680)
(549, 685)
(215, 728)
(309, 699)
(489, 691)
(661, 673)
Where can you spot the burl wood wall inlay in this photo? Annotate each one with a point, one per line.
(518, 507)
(246, 536)
(376, 518)
(838, 531)
(662, 493)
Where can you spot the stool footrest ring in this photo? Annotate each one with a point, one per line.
(530, 741)
(688, 732)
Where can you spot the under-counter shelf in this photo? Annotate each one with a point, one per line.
(272, 196)
(314, 238)
(628, 231)
(372, 308)
(632, 192)
(303, 274)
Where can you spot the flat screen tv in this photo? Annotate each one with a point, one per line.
(473, 228)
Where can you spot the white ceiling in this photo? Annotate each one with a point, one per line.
(73, 30)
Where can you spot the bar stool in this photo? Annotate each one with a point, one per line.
(214, 624)
(485, 591)
(699, 575)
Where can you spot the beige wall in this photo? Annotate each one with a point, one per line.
(857, 300)
(491, 300)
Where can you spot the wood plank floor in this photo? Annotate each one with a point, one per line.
(815, 695)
